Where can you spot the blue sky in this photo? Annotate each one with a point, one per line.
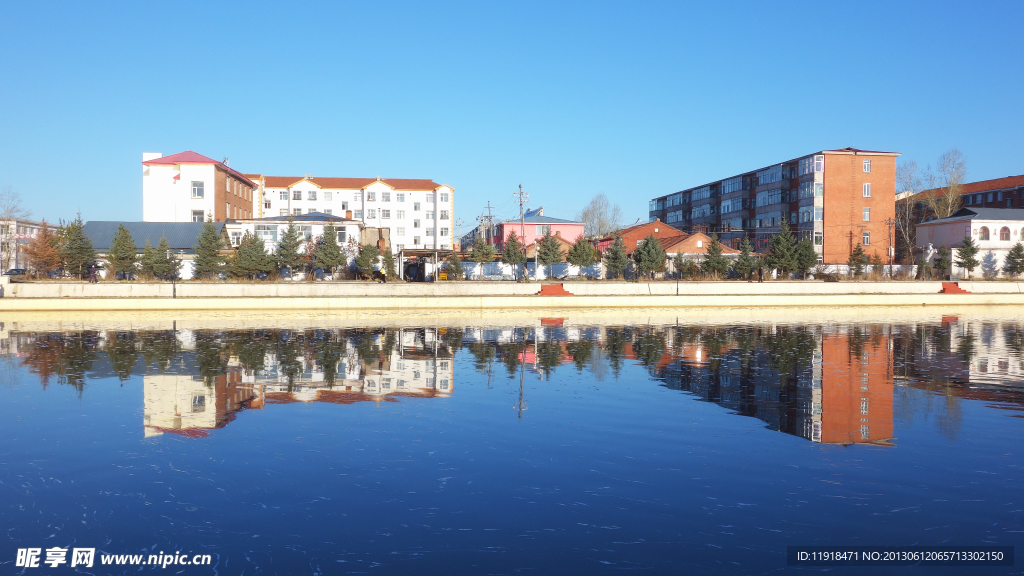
(631, 99)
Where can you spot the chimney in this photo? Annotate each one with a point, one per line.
(348, 214)
(225, 162)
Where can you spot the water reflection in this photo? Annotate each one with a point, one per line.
(828, 383)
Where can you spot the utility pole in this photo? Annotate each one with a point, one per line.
(889, 223)
(458, 233)
(523, 197)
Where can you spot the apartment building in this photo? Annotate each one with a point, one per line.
(15, 234)
(418, 212)
(189, 187)
(835, 198)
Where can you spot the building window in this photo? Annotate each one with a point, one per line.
(328, 195)
(399, 196)
(311, 195)
(983, 235)
(819, 238)
(444, 214)
(867, 190)
(415, 223)
(400, 231)
(310, 210)
(430, 197)
(296, 194)
(399, 214)
(358, 197)
(297, 212)
(266, 205)
(415, 206)
(344, 205)
(864, 407)
(819, 163)
(284, 195)
(236, 237)
(415, 240)
(385, 213)
(197, 215)
(358, 214)
(444, 232)
(371, 196)
(867, 214)
(865, 239)
(819, 213)
(989, 198)
(341, 235)
(371, 213)
(283, 211)
(430, 231)
(197, 190)
(385, 196)
(444, 196)
(867, 165)
(969, 198)
(1004, 233)
(430, 214)
(328, 211)
(543, 229)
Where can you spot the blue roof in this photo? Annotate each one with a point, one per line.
(180, 235)
(542, 220)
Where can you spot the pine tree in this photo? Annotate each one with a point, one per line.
(513, 253)
(549, 252)
(76, 249)
(714, 263)
(454, 267)
(169, 262)
(805, 257)
(123, 253)
(877, 266)
(942, 261)
(649, 256)
(615, 258)
(251, 257)
(289, 248)
(41, 252)
(746, 263)
(151, 262)
(328, 254)
(208, 259)
(581, 254)
(966, 255)
(482, 252)
(781, 248)
(388, 264)
(857, 260)
(1014, 264)
(366, 260)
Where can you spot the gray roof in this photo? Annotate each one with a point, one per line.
(966, 214)
(542, 220)
(180, 235)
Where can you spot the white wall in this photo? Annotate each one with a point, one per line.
(167, 200)
(992, 253)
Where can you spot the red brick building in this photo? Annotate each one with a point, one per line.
(634, 235)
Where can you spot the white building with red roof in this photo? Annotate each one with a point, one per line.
(189, 187)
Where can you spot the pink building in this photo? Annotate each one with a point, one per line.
(532, 229)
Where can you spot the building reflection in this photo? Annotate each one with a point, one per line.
(834, 384)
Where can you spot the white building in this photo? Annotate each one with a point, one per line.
(418, 213)
(995, 231)
(273, 228)
(14, 235)
(189, 187)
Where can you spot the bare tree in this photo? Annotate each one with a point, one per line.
(600, 217)
(908, 183)
(944, 185)
(10, 210)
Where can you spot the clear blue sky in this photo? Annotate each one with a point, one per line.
(633, 99)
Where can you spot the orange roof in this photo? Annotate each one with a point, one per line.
(980, 186)
(687, 244)
(665, 228)
(352, 183)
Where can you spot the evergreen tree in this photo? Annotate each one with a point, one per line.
(781, 251)
(123, 252)
(454, 267)
(549, 251)
(513, 254)
(76, 249)
(169, 262)
(942, 261)
(289, 248)
(746, 263)
(858, 259)
(1014, 264)
(649, 256)
(714, 263)
(151, 261)
(482, 252)
(877, 265)
(615, 258)
(966, 255)
(208, 259)
(251, 257)
(581, 254)
(366, 260)
(388, 264)
(328, 254)
(42, 251)
(805, 257)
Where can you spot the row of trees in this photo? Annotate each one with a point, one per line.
(64, 248)
(966, 257)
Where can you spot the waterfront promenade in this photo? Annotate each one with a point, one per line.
(342, 296)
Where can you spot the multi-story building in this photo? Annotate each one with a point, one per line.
(835, 198)
(14, 235)
(994, 231)
(419, 213)
(529, 229)
(189, 187)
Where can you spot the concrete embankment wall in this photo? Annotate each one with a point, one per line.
(68, 296)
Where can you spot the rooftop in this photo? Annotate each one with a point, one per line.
(405, 184)
(1004, 183)
(190, 157)
(967, 214)
(180, 235)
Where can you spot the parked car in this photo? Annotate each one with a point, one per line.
(16, 272)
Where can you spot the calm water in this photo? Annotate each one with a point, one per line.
(547, 446)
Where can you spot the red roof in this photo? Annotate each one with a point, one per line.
(859, 151)
(190, 157)
(980, 186)
(351, 183)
